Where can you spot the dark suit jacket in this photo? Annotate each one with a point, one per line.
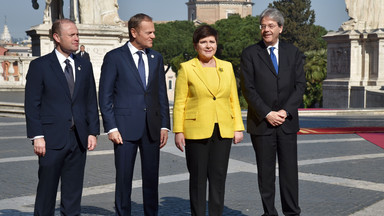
(48, 104)
(125, 103)
(266, 91)
(85, 55)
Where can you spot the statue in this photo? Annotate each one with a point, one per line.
(53, 10)
(35, 5)
(364, 15)
(99, 12)
(102, 12)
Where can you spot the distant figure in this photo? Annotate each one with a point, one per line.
(83, 54)
(62, 120)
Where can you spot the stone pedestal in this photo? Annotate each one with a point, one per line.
(355, 66)
(97, 39)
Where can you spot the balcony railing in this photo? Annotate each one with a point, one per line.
(13, 70)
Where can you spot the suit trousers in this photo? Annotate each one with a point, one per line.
(285, 147)
(68, 165)
(207, 159)
(125, 156)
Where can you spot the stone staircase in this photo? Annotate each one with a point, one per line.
(15, 110)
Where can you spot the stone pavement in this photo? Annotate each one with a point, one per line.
(339, 175)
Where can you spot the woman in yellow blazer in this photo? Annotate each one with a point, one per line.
(206, 118)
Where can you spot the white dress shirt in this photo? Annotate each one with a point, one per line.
(135, 56)
(275, 51)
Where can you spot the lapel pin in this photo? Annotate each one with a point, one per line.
(152, 56)
(221, 69)
(79, 68)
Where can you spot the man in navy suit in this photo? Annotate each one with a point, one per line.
(135, 111)
(83, 54)
(273, 83)
(62, 120)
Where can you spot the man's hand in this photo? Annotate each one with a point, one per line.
(163, 137)
(39, 146)
(180, 141)
(115, 137)
(92, 142)
(276, 118)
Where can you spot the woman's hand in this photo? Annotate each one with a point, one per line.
(238, 137)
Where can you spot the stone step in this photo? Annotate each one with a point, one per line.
(12, 109)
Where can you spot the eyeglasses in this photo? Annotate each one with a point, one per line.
(270, 26)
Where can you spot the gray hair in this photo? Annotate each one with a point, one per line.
(274, 14)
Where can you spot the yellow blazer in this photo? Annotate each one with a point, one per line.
(196, 105)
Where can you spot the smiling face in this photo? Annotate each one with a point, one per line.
(270, 31)
(206, 48)
(143, 35)
(67, 39)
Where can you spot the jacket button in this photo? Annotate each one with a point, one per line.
(214, 98)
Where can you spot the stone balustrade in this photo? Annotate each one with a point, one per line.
(13, 70)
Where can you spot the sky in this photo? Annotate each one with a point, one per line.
(20, 16)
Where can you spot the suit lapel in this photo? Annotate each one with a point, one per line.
(264, 56)
(151, 66)
(198, 69)
(57, 70)
(220, 73)
(79, 76)
(131, 63)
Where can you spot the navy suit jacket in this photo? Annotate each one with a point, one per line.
(267, 91)
(49, 107)
(125, 103)
(85, 55)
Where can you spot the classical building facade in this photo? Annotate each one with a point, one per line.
(209, 11)
(355, 59)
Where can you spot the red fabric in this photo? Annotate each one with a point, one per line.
(375, 138)
(341, 130)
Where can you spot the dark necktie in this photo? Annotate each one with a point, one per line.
(69, 75)
(141, 67)
(274, 59)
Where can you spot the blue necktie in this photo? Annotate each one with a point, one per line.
(141, 67)
(68, 71)
(274, 60)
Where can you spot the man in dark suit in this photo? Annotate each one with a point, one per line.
(83, 54)
(135, 111)
(273, 83)
(62, 120)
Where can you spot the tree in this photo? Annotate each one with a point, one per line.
(299, 28)
(315, 73)
(235, 34)
(174, 42)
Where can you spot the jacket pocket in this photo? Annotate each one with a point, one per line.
(190, 115)
(47, 119)
(122, 111)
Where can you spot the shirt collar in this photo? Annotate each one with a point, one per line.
(276, 45)
(133, 49)
(62, 58)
